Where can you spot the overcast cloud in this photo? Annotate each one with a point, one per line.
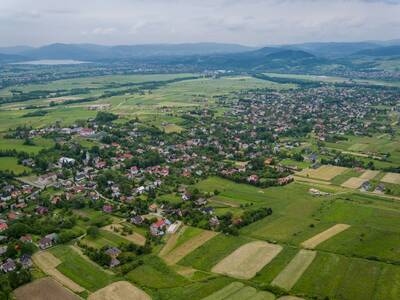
(251, 22)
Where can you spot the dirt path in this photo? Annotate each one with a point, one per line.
(180, 252)
(47, 262)
(325, 235)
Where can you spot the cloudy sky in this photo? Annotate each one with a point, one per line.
(251, 22)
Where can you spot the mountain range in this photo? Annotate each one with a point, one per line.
(209, 54)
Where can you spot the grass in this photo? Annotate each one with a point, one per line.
(11, 163)
(80, 270)
(270, 271)
(188, 233)
(154, 273)
(105, 238)
(339, 179)
(213, 251)
(339, 277)
(193, 291)
(18, 145)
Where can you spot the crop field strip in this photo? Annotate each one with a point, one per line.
(247, 260)
(120, 290)
(180, 252)
(294, 270)
(325, 172)
(313, 242)
(353, 183)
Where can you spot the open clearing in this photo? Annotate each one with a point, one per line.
(369, 174)
(237, 290)
(121, 290)
(391, 178)
(325, 235)
(135, 238)
(180, 252)
(247, 260)
(353, 183)
(47, 262)
(323, 172)
(44, 289)
(293, 271)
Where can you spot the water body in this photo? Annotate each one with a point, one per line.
(52, 62)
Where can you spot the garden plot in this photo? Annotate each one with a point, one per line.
(391, 178)
(294, 270)
(323, 236)
(323, 173)
(247, 260)
(121, 290)
(47, 262)
(353, 182)
(42, 289)
(369, 174)
(135, 238)
(180, 252)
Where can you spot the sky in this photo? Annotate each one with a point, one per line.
(248, 22)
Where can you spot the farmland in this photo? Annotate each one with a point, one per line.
(264, 210)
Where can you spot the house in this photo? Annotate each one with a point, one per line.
(45, 243)
(157, 228)
(107, 208)
(66, 161)
(200, 201)
(380, 188)
(153, 207)
(365, 186)
(25, 261)
(252, 178)
(3, 249)
(114, 262)
(137, 220)
(3, 227)
(41, 210)
(214, 221)
(8, 266)
(26, 239)
(113, 252)
(186, 196)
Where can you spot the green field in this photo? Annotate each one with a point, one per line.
(11, 164)
(81, 271)
(211, 252)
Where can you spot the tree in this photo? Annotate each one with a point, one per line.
(93, 232)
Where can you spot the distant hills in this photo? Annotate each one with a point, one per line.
(99, 52)
(216, 55)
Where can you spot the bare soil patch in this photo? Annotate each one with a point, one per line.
(247, 260)
(47, 262)
(135, 238)
(121, 290)
(180, 252)
(353, 182)
(323, 173)
(369, 174)
(44, 289)
(391, 178)
(293, 271)
(325, 235)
